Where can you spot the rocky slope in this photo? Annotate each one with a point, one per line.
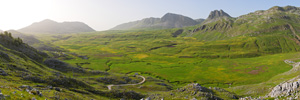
(50, 26)
(195, 91)
(169, 20)
(290, 88)
(276, 20)
(286, 89)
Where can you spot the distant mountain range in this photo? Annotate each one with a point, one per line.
(50, 26)
(170, 20)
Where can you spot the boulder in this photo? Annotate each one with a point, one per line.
(26, 87)
(2, 97)
(194, 99)
(3, 73)
(57, 89)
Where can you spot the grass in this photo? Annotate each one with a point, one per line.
(243, 55)
(238, 61)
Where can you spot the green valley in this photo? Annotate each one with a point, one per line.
(253, 56)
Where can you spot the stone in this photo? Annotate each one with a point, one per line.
(3, 73)
(57, 89)
(148, 98)
(194, 99)
(50, 87)
(39, 93)
(40, 86)
(26, 87)
(2, 97)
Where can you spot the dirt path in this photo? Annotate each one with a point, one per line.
(294, 64)
(144, 79)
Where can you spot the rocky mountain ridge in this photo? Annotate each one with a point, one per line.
(216, 15)
(169, 20)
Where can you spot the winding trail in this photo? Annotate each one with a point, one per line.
(296, 65)
(144, 79)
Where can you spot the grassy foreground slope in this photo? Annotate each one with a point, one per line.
(26, 73)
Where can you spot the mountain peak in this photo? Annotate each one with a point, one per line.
(218, 14)
(50, 26)
(169, 16)
(47, 21)
(169, 20)
(286, 8)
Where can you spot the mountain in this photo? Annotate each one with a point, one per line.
(50, 26)
(217, 15)
(276, 20)
(169, 20)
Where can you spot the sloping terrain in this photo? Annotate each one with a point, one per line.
(27, 73)
(34, 42)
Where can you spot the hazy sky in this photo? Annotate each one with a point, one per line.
(105, 14)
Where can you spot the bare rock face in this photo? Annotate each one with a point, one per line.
(216, 15)
(286, 88)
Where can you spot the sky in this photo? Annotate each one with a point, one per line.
(105, 14)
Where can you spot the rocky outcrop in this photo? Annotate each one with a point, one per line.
(286, 88)
(216, 15)
(195, 91)
(2, 72)
(178, 32)
(289, 88)
(2, 97)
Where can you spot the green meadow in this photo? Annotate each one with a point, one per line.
(231, 62)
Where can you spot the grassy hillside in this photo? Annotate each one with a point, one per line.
(244, 55)
(26, 73)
